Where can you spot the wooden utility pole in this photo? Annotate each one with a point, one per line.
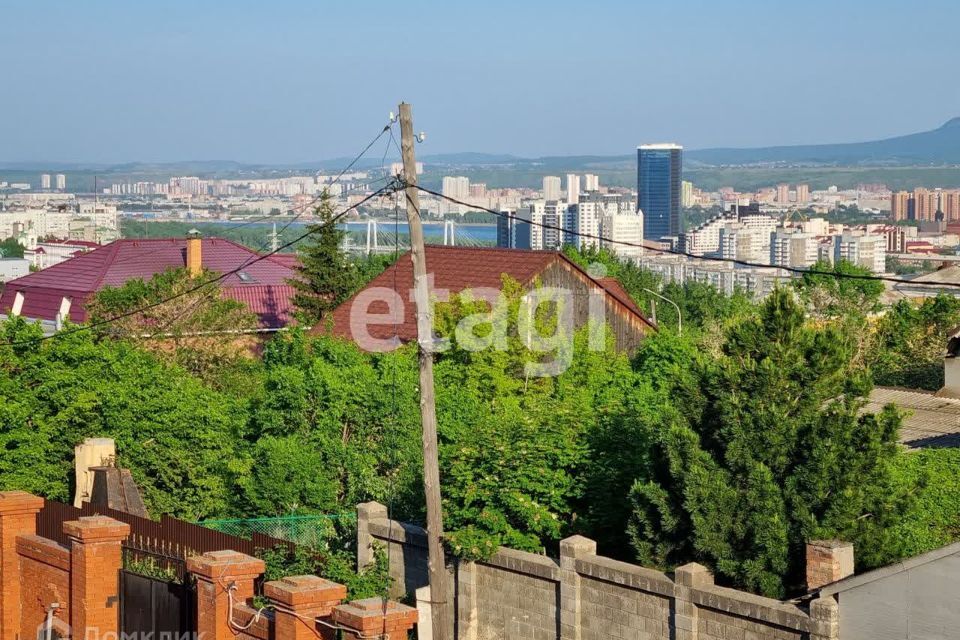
(428, 412)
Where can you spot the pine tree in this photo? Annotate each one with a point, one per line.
(325, 275)
(774, 451)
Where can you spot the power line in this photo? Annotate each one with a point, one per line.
(744, 263)
(97, 268)
(387, 189)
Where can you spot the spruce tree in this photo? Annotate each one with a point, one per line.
(325, 275)
(774, 451)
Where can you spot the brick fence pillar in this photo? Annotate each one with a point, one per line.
(825, 612)
(222, 576)
(571, 549)
(685, 613)
(367, 511)
(96, 557)
(18, 517)
(300, 601)
(374, 618)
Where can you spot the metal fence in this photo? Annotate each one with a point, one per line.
(311, 531)
(166, 536)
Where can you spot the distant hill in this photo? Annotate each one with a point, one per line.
(939, 146)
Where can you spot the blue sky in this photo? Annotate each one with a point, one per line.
(292, 81)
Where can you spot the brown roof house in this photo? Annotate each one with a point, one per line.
(382, 315)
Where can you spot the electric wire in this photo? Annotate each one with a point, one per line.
(387, 189)
(744, 263)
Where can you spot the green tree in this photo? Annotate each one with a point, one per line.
(173, 433)
(773, 452)
(853, 294)
(348, 417)
(513, 446)
(907, 345)
(325, 276)
(171, 317)
(11, 248)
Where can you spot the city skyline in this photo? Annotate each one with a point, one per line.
(199, 82)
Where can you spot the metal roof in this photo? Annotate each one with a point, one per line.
(891, 569)
(929, 420)
(454, 269)
(264, 286)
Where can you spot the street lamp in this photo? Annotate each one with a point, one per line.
(675, 306)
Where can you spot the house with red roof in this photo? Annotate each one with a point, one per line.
(50, 252)
(61, 291)
(455, 269)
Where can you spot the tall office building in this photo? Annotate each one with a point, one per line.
(803, 193)
(573, 188)
(591, 182)
(61, 182)
(551, 188)
(659, 175)
(45, 182)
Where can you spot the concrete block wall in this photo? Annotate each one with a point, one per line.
(585, 596)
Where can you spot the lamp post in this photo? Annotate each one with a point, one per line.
(675, 306)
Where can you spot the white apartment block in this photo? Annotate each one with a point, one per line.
(794, 249)
(573, 187)
(738, 242)
(623, 233)
(591, 182)
(457, 187)
(758, 282)
(590, 212)
(867, 251)
(705, 238)
(551, 188)
(61, 182)
(561, 219)
(534, 210)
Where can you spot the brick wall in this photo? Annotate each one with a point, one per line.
(83, 580)
(585, 596)
(46, 564)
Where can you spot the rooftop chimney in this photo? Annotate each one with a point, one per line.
(827, 562)
(194, 255)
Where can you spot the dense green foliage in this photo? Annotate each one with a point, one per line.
(770, 452)
(11, 248)
(336, 565)
(845, 297)
(174, 433)
(933, 518)
(181, 319)
(908, 342)
(731, 444)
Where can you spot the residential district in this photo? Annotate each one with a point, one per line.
(769, 452)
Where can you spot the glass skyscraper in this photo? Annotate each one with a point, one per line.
(659, 177)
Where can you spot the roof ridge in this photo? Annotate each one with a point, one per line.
(108, 263)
